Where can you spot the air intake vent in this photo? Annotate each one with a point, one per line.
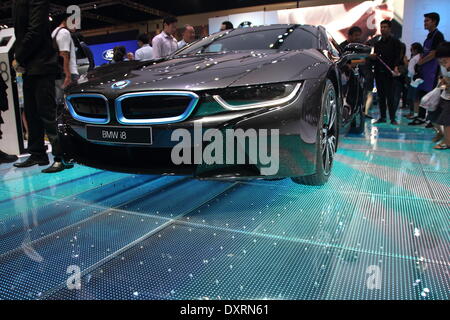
(155, 107)
(89, 108)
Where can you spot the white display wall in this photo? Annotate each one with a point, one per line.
(413, 30)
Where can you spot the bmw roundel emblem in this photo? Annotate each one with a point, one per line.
(121, 84)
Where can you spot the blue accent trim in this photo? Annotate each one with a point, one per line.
(87, 119)
(189, 109)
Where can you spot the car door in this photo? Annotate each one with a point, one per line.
(350, 80)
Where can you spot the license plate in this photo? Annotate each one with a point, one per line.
(123, 135)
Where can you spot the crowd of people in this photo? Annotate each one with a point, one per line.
(404, 82)
(162, 45)
(47, 61)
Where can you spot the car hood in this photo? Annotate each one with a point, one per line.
(205, 72)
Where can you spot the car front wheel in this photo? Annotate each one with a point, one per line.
(327, 137)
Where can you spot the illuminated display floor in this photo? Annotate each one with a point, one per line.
(378, 230)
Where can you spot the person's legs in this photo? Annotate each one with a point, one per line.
(433, 117)
(25, 125)
(45, 99)
(397, 92)
(405, 86)
(420, 119)
(445, 143)
(380, 79)
(411, 98)
(416, 106)
(36, 145)
(439, 132)
(447, 135)
(391, 102)
(48, 112)
(444, 120)
(422, 113)
(368, 99)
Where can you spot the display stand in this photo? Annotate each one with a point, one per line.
(12, 141)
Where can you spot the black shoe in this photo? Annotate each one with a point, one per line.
(416, 122)
(6, 158)
(394, 122)
(57, 167)
(381, 120)
(429, 125)
(32, 161)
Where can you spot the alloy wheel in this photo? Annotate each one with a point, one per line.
(328, 136)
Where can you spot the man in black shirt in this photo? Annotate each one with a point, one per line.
(353, 36)
(387, 60)
(36, 58)
(428, 65)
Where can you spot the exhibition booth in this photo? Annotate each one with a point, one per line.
(158, 205)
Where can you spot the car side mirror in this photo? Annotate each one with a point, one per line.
(356, 53)
(357, 48)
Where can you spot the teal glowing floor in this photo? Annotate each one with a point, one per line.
(378, 230)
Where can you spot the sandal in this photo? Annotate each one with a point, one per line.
(441, 146)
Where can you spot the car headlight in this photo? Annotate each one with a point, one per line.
(257, 96)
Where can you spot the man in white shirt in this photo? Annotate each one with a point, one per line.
(188, 36)
(145, 52)
(165, 43)
(63, 39)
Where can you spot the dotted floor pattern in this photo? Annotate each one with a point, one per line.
(379, 229)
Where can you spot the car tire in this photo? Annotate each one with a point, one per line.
(327, 138)
(359, 123)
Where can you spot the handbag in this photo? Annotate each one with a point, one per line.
(431, 100)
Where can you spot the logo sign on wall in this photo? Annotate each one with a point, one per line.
(4, 71)
(104, 52)
(108, 54)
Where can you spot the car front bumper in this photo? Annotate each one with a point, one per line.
(297, 132)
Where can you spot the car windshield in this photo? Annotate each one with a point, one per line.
(276, 38)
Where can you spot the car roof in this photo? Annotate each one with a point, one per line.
(310, 28)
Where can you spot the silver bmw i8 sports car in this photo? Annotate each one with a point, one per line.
(289, 85)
